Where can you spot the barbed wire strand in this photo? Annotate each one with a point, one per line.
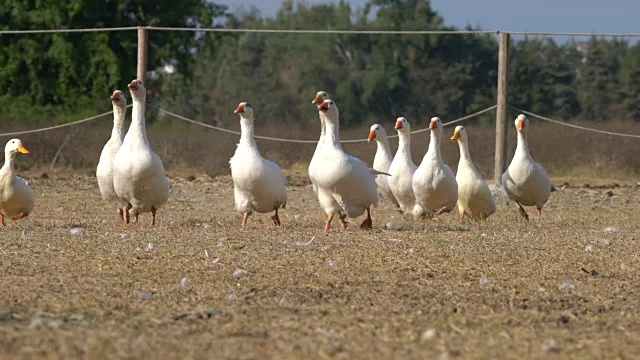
(49, 31)
(605, 132)
(304, 31)
(180, 117)
(308, 31)
(59, 126)
(581, 34)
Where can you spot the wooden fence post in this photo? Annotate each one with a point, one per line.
(143, 52)
(501, 111)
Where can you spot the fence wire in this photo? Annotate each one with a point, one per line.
(297, 141)
(301, 141)
(584, 128)
(59, 126)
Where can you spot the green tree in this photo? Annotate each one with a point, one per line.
(630, 81)
(72, 70)
(599, 80)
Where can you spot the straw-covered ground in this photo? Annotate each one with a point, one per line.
(75, 283)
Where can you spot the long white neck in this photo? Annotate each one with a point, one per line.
(434, 144)
(404, 144)
(465, 156)
(522, 148)
(323, 126)
(118, 122)
(323, 130)
(383, 150)
(7, 168)
(332, 134)
(138, 127)
(246, 130)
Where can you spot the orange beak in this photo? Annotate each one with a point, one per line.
(372, 135)
(324, 106)
(116, 96)
(22, 149)
(520, 125)
(398, 124)
(317, 99)
(133, 85)
(239, 109)
(456, 135)
(433, 124)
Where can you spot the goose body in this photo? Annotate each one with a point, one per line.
(104, 170)
(474, 196)
(382, 161)
(525, 181)
(258, 184)
(138, 174)
(16, 197)
(434, 184)
(402, 168)
(345, 184)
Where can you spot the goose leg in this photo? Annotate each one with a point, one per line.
(127, 216)
(462, 216)
(522, 211)
(2, 220)
(343, 220)
(441, 211)
(276, 218)
(120, 213)
(367, 224)
(539, 210)
(244, 218)
(20, 216)
(153, 216)
(328, 223)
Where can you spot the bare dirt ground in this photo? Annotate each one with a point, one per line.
(198, 285)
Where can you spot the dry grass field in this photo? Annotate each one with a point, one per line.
(200, 286)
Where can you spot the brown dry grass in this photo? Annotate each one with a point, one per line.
(411, 292)
(562, 151)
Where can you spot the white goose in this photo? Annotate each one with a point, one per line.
(345, 183)
(382, 161)
(402, 168)
(16, 197)
(525, 181)
(258, 184)
(434, 184)
(474, 197)
(138, 174)
(104, 171)
(320, 97)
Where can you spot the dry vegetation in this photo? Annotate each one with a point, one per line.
(563, 151)
(566, 286)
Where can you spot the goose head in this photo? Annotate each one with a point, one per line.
(435, 124)
(15, 146)
(377, 132)
(460, 134)
(137, 90)
(244, 110)
(320, 97)
(522, 123)
(402, 125)
(118, 99)
(329, 109)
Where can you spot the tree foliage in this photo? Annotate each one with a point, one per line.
(375, 78)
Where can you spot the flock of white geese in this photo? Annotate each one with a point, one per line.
(131, 175)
